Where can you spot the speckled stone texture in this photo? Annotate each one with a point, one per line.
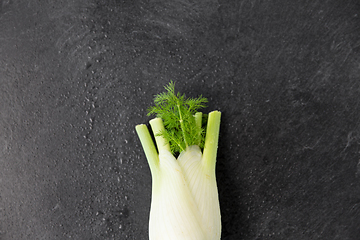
(76, 76)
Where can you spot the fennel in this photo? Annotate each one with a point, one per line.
(184, 202)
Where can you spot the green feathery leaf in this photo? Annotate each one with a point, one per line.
(177, 113)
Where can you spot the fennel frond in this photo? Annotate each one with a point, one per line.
(178, 114)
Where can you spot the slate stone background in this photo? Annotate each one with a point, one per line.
(76, 76)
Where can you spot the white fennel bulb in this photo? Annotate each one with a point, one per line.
(174, 213)
(184, 201)
(202, 184)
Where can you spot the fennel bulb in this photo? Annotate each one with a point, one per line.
(184, 201)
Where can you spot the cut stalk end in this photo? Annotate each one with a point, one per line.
(148, 146)
(211, 140)
(157, 127)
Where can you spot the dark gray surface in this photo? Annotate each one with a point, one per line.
(77, 76)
